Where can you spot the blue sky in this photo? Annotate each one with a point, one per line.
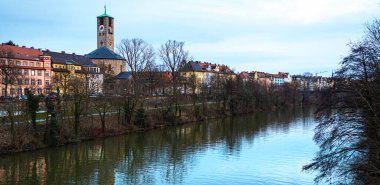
(295, 36)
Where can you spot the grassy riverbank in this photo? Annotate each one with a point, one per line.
(91, 128)
(81, 118)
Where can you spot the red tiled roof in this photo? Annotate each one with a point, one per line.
(244, 75)
(204, 66)
(280, 75)
(17, 52)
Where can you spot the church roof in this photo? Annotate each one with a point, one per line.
(66, 58)
(123, 75)
(104, 15)
(104, 53)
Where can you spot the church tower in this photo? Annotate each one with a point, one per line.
(105, 33)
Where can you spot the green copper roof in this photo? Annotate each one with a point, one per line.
(104, 15)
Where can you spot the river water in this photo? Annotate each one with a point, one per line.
(254, 149)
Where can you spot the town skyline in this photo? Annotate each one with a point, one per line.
(274, 36)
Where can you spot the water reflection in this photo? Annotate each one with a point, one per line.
(172, 155)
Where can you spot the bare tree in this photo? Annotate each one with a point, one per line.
(174, 56)
(61, 79)
(138, 55)
(8, 70)
(349, 123)
(151, 77)
(102, 106)
(79, 96)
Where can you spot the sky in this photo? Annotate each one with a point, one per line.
(293, 36)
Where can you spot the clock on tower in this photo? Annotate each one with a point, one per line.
(105, 30)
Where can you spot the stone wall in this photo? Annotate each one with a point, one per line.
(110, 66)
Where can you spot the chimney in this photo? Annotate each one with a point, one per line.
(73, 53)
(63, 52)
(23, 47)
(47, 50)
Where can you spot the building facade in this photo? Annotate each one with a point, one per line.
(67, 67)
(24, 69)
(280, 78)
(110, 63)
(205, 73)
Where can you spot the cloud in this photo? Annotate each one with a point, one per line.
(266, 54)
(311, 11)
(270, 11)
(269, 35)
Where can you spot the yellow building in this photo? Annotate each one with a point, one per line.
(206, 74)
(69, 67)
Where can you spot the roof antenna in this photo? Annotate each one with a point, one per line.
(105, 9)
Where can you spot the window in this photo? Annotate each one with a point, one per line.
(19, 71)
(2, 62)
(39, 72)
(33, 82)
(26, 82)
(24, 63)
(32, 72)
(12, 91)
(19, 91)
(26, 71)
(72, 67)
(17, 63)
(38, 64)
(39, 91)
(46, 82)
(3, 91)
(46, 73)
(39, 82)
(32, 90)
(31, 64)
(10, 62)
(19, 81)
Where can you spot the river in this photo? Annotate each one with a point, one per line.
(252, 149)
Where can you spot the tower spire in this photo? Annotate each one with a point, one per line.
(105, 9)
